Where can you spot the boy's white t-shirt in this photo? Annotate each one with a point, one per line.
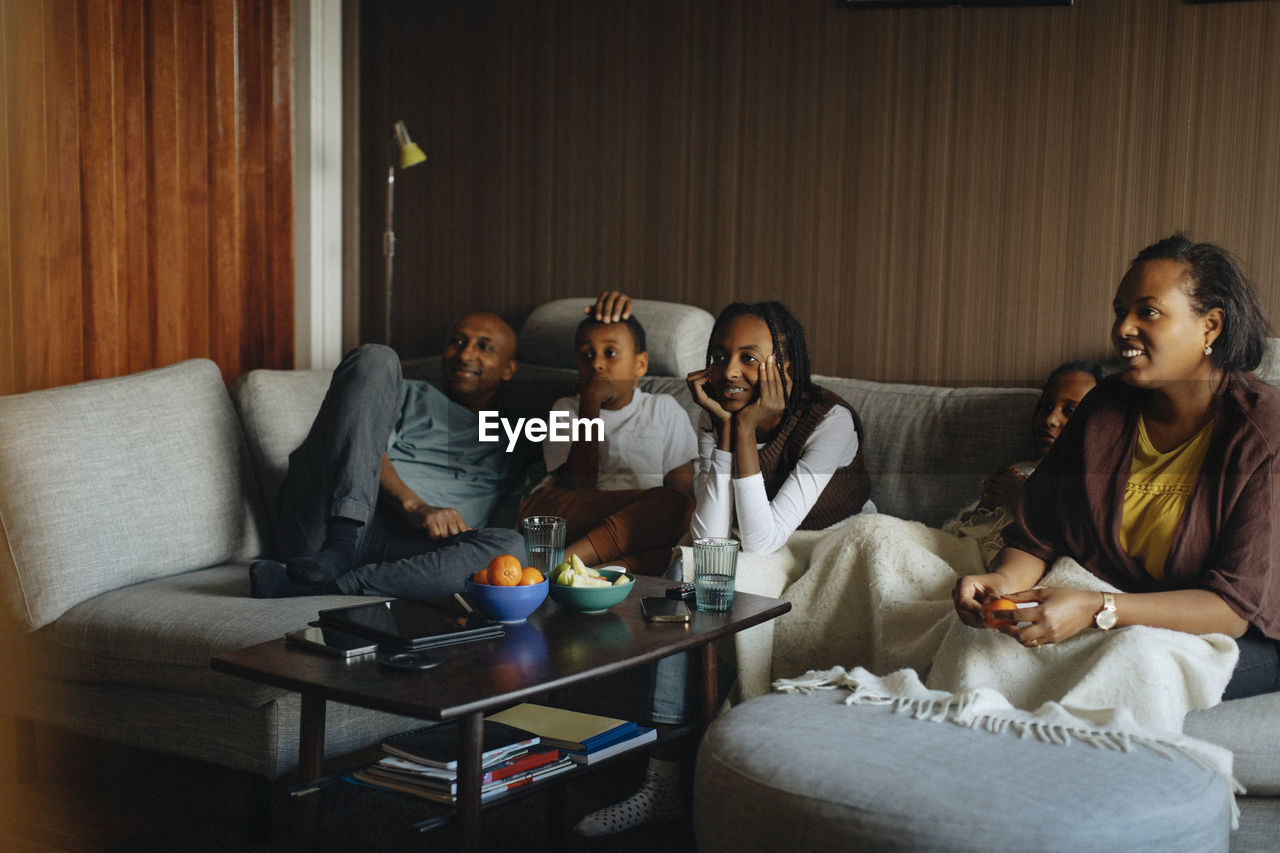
(643, 441)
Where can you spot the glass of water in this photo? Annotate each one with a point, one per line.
(715, 565)
(544, 541)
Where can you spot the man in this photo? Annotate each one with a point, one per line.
(391, 490)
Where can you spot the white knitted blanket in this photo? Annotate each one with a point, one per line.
(877, 597)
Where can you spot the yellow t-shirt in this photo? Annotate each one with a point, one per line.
(1156, 496)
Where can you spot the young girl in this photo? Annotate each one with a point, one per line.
(986, 518)
(776, 454)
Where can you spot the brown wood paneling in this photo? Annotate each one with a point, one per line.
(942, 195)
(147, 174)
(8, 96)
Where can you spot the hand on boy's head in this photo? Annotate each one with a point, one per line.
(610, 307)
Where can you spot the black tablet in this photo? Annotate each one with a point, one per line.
(411, 625)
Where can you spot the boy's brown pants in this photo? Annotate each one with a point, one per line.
(635, 528)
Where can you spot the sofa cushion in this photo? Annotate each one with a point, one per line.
(277, 408)
(1248, 728)
(160, 634)
(676, 335)
(807, 772)
(928, 448)
(119, 481)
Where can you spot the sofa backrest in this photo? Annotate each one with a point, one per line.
(276, 408)
(928, 448)
(675, 335)
(116, 481)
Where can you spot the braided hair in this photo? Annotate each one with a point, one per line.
(788, 342)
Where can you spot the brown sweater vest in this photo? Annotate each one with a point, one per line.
(848, 489)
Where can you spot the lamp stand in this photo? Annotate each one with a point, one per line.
(389, 252)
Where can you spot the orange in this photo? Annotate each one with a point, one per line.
(481, 576)
(994, 606)
(505, 570)
(530, 576)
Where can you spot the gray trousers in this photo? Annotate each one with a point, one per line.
(335, 472)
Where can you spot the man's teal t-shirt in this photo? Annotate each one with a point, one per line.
(436, 450)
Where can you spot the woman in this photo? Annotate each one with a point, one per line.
(1162, 484)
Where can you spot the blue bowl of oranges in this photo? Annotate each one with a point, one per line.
(506, 590)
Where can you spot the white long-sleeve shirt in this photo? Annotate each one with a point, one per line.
(763, 525)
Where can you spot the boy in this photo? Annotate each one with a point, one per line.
(628, 496)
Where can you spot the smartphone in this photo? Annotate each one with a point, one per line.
(332, 642)
(664, 609)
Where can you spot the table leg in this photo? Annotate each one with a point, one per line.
(470, 747)
(709, 692)
(310, 760)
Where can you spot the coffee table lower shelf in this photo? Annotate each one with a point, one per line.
(436, 815)
(554, 649)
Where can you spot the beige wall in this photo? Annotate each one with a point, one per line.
(942, 195)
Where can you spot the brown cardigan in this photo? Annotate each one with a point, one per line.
(849, 487)
(1228, 540)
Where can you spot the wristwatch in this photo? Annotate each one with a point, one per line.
(1106, 617)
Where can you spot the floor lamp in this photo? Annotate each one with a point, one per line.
(409, 154)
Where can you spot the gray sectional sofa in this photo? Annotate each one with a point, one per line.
(131, 507)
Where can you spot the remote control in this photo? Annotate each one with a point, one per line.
(682, 591)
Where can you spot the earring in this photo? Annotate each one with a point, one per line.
(1208, 350)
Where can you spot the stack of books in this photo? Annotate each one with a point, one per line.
(424, 762)
(584, 738)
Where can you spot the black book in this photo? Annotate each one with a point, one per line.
(402, 624)
(437, 746)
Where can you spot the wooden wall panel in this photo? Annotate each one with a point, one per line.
(942, 195)
(147, 177)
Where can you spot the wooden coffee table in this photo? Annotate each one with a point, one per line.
(554, 649)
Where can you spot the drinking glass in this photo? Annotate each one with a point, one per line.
(544, 541)
(715, 565)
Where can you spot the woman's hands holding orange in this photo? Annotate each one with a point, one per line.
(1059, 614)
(972, 592)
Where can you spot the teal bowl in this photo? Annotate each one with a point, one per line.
(506, 603)
(593, 599)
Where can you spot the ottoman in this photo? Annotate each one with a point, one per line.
(807, 772)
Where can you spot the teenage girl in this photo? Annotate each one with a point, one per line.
(776, 454)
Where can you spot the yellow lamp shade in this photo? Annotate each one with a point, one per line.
(411, 155)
